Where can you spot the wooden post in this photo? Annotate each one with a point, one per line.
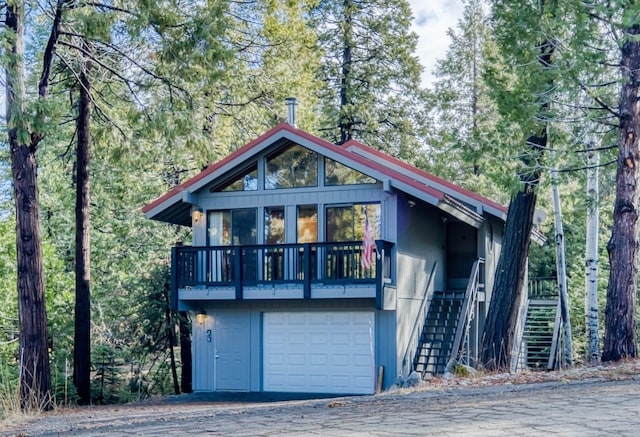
(380, 377)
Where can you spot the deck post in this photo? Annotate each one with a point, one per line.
(306, 259)
(379, 265)
(237, 271)
(173, 298)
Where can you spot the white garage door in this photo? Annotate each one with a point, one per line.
(319, 352)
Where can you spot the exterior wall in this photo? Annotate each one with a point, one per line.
(420, 245)
(385, 332)
(204, 353)
(493, 232)
(489, 244)
(289, 198)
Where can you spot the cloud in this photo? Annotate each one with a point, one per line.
(432, 19)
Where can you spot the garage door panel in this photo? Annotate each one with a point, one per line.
(342, 318)
(318, 338)
(317, 319)
(325, 352)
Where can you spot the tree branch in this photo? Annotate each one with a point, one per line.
(47, 57)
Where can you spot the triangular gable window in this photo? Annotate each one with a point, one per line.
(338, 174)
(245, 181)
(293, 167)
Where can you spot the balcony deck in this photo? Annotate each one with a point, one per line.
(285, 271)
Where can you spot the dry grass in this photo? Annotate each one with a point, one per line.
(620, 371)
(13, 409)
(9, 396)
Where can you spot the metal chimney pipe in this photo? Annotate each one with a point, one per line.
(291, 103)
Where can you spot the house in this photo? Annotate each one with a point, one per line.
(327, 269)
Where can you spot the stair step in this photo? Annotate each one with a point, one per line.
(438, 331)
(538, 333)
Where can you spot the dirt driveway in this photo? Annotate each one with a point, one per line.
(595, 404)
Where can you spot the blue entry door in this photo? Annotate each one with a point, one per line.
(231, 337)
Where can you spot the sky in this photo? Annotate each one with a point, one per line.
(431, 19)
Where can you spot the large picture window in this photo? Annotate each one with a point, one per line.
(347, 222)
(338, 174)
(245, 181)
(274, 225)
(307, 223)
(293, 167)
(232, 228)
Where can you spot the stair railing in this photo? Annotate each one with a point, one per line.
(536, 288)
(467, 313)
(517, 359)
(556, 335)
(416, 331)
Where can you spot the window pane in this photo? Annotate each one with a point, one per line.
(243, 227)
(274, 225)
(219, 228)
(292, 168)
(307, 223)
(246, 181)
(370, 211)
(338, 174)
(339, 223)
(235, 227)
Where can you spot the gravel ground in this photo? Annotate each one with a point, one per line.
(592, 401)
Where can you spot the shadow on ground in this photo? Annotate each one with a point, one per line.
(244, 397)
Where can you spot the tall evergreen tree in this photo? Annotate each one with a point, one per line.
(82, 332)
(620, 336)
(370, 74)
(531, 55)
(464, 139)
(26, 127)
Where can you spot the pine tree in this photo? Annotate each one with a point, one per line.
(25, 131)
(370, 74)
(531, 55)
(620, 337)
(465, 118)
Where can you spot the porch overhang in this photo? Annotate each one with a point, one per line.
(461, 212)
(173, 210)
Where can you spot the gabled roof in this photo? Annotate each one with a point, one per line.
(174, 206)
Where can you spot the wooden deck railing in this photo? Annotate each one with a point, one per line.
(543, 287)
(239, 266)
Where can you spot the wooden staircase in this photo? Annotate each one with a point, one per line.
(539, 346)
(439, 332)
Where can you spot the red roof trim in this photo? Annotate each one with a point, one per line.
(430, 176)
(341, 150)
(386, 170)
(183, 186)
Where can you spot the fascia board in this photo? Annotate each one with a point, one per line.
(460, 214)
(498, 213)
(417, 193)
(157, 209)
(214, 171)
(446, 187)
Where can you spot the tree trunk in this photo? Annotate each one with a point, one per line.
(498, 336)
(561, 267)
(35, 375)
(620, 325)
(502, 318)
(170, 337)
(591, 276)
(185, 352)
(346, 117)
(82, 334)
